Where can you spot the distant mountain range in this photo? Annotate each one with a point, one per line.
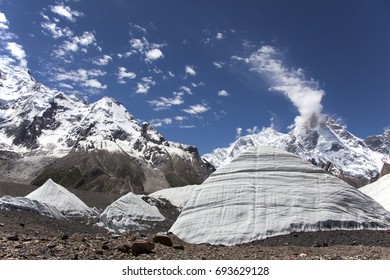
(325, 143)
(46, 134)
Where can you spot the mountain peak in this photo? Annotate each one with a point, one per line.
(325, 143)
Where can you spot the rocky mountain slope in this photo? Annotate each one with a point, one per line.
(327, 144)
(45, 133)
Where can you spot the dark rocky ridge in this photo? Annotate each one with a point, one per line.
(103, 171)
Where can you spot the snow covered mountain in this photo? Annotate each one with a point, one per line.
(266, 192)
(40, 126)
(327, 144)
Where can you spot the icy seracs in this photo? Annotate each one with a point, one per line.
(56, 195)
(379, 191)
(266, 192)
(129, 213)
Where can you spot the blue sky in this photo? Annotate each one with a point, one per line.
(201, 71)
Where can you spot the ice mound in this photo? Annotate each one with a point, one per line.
(266, 192)
(56, 195)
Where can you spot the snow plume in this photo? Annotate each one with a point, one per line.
(305, 94)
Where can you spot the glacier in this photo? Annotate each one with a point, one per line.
(264, 192)
(129, 213)
(57, 196)
(25, 204)
(379, 190)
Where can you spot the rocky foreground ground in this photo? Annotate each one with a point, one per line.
(29, 236)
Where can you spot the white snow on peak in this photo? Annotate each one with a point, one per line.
(327, 143)
(266, 192)
(25, 204)
(128, 212)
(35, 120)
(379, 190)
(176, 196)
(56, 195)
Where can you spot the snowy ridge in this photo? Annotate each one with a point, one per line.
(25, 204)
(380, 191)
(266, 192)
(37, 121)
(328, 145)
(57, 196)
(128, 213)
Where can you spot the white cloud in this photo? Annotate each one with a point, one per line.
(80, 77)
(65, 85)
(218, 64)
(93, 83)
(197, 109)
(123, 74)
(304, 93)
(55, 31)
(86, 39)
(138, 44)
(238, 132)
(180, 118)
(154, 54)
(151, 51)
(219, 36)
(161, 122)
(3, 21)
(18, 52)
(171, 74)
(190, 70)
(186, 89)
(252, 130)
(165, 103)
(145, 84)
(223, 93)
(66, 12)
(104, 60)
(187, 126)
(75, 44)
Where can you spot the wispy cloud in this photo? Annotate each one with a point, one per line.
(66, 12)
(123, 75)
(223, 93)
(190, 70)
(218, 64)
(197, 109)
(18, 52)
(161, 122)
(75, 44)
(104, 60)
(7, 42)
(165, 103)
(3, 21)
(151, 51)
(304, 93)
(55, 31)
(219, 36)
(144, 85)
(81, 77)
